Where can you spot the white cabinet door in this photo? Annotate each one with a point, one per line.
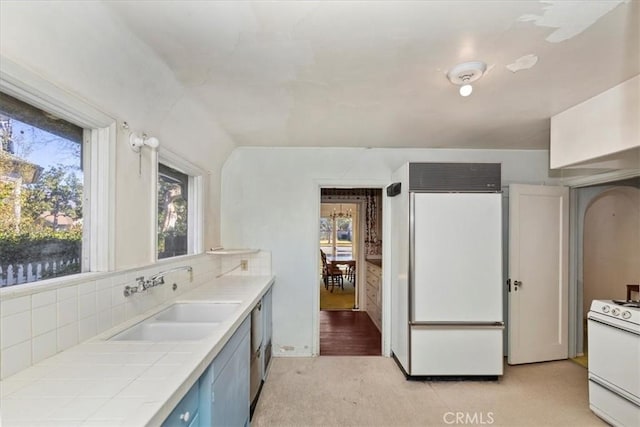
(442, 351)
(457, 257)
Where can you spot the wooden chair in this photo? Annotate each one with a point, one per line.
(330, 272)
(351, 273)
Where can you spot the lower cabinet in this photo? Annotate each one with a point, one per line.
(186, 411)
(374, 294)
(224, 387)
(221, 396)
(267, 330)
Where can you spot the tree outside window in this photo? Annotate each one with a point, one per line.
(172, 212)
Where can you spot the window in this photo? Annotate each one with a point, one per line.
(41, 194)
(179, 217)
(57, 161)
(173, 212)
(337, 229)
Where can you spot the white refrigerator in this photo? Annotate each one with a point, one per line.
(447, 318)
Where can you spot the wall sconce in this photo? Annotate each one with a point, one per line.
(137, 142)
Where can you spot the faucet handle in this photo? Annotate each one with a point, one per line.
(140, 283)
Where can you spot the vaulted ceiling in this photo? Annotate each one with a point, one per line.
(373, 73)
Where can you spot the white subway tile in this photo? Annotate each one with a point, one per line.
(14, 305)
(44, 346)
(67, 311)
(117, 315)
(43, 319)
(86, 305)
(15, 329)
(67, 292)
(86, 288)
(103, 320)
(14, 359)
(67, 336)
(87, 328)
(117, 295)
(103, 284)
(43, 298)
(103, 300)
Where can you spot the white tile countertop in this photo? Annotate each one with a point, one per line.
(131, 383)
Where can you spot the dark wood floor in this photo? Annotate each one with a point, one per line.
(348, 333)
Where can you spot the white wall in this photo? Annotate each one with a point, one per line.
(606, 124)
(611, 244)
(80, 47)
(271, 201)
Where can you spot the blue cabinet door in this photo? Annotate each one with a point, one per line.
(185, 414)
(224, 387)
(230, 394)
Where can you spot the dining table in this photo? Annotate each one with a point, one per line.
(346, 260)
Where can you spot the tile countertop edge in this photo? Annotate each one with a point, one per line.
(244, 289)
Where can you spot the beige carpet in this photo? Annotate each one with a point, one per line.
(371, 391)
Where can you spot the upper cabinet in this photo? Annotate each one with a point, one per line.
(602, 132)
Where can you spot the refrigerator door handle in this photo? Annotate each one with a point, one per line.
(458, 325)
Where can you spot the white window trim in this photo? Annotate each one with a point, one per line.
(99, 154)
(195, 219)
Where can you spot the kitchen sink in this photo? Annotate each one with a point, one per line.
(150, 330)
(180, 322)
(198, 312)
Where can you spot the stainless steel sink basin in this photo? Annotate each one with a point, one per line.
(198, 312)
(150, 330)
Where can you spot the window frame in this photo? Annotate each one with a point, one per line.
(195, 197)
(98, 151)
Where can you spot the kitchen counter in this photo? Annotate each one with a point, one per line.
(134, 383)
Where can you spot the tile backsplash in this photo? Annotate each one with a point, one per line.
(38, 324)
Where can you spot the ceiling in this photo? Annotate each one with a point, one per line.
(373, 73)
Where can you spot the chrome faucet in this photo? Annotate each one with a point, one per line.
(155, 280)
(140, 286)
(158, 279)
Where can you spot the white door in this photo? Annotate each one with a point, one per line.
(538, 273)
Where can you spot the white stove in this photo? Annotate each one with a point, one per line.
(618, 309)
(614, 361)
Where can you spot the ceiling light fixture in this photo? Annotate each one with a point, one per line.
(464, 74)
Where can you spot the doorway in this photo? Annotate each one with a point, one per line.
(339, 248)
(350, 224)
(608, 241)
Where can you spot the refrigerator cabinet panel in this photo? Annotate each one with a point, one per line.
(441, 350)
(456, 257)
